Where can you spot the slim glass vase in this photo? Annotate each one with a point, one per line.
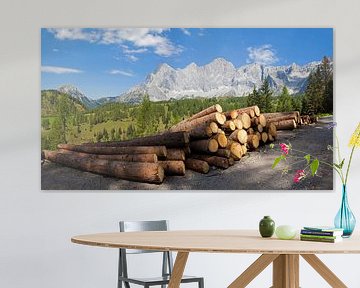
(345, 219)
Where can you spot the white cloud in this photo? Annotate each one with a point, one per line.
(141, 38)
(264, 54)
(121, 72)
(75, 34)
(59, 70)
(186, 31)
(55, 50)
(135, 51)
(132, 58)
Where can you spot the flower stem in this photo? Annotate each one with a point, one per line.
(348, 166)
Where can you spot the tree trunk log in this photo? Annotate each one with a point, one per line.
(213, 117)
(285, 125)
(175, 154)
(173, 167)
(221, 139)
(250, 131)
(260, 128)
(200, 132)
(261, 120)
(160, 151)
(206, 145)
(235, 150)
(271, 129)
(168, 139)
(223, 153)
(252, 111)
(216, 161)
(207, 111)
(281, 118)
(134, 171)
(197, 165)
(293, 114)
(231, 114)
(238, 123)
(229, 126)
(245, 119)
(239, 135)
(214, 127)
(150, 158)
(264, 137)
(253, 141)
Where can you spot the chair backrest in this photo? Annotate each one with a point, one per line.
(135, 226)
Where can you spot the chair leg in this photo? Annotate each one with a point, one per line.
(201, 283)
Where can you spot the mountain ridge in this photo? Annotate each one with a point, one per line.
(217, 78)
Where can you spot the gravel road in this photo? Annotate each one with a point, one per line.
(252, 172)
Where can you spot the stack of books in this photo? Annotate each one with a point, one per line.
(321, 234)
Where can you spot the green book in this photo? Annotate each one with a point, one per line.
(319, 236)
(325, 240)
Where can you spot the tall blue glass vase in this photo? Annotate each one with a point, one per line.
(345, 219)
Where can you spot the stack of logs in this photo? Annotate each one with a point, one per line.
(209, 138)
(289, 120)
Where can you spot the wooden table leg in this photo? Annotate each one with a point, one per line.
(253, 270)
(286, 271)
(178, 270)
(324, 271)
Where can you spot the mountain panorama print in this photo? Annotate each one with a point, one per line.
(186, 108)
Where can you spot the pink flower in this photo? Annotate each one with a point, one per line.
(284, 148)
(299, 175)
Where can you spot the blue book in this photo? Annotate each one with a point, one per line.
(322, 231)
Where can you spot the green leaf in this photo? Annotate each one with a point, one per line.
(271, 146)
(314, 166)
(307, 157)
(277, 161)
(342, 163)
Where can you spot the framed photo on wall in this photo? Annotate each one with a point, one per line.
(186, 108)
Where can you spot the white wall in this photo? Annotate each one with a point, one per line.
(35, 227)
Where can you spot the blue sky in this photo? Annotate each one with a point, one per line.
(107, 62)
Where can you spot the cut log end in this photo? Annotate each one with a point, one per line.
(221, 139)
(253, 141)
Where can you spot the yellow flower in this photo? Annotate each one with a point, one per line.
(355, 138)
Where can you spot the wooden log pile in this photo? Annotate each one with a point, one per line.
(289, 120)
(208, 138)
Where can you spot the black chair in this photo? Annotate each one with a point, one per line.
(167, 262)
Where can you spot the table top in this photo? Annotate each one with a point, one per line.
(217, 241)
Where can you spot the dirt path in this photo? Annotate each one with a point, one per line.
(253, 172)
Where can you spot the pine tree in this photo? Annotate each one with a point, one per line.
(144, 114)
(319, 92)
(253, 97)
(285, 103)
(265, 96)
